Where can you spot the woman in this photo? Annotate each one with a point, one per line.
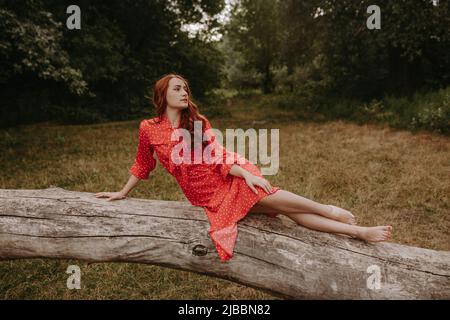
(227, 191)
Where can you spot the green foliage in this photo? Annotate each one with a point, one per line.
(318, 54)
(424, 111)
(31, 43)
(106, 69)
(255, 31)
(326, 47)
(398, 59)
(429, 111)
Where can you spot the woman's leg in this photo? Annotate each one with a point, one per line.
(316, 222)
(319, 223)
(289, 202)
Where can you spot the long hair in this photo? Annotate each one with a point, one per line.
(188, 115)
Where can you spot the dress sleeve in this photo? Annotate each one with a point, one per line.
(222, 165)
(144, 162)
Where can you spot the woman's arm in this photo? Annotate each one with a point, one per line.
(122, 194)
(144, 163)
(225, 169)
(132, 182)
(239, 171)
(251, 179)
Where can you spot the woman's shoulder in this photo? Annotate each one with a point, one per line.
(149, 127)
(150, 123)
(152, 130)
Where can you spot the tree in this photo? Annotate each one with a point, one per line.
(297, 40)
(120, 50)
(400, 58)
(331, 44)
(254, 29)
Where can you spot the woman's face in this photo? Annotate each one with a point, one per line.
(177, 94)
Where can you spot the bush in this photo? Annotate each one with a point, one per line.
(433, 112)
(432, 118)
(428, 111)
(423, 111)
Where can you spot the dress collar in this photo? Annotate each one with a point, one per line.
(166, 120)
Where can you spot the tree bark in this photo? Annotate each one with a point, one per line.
(273, 255)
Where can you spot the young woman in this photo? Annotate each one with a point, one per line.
(227, 191)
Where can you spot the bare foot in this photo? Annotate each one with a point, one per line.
(342, 215)
(375, 234)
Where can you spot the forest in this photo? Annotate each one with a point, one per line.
(317, 57)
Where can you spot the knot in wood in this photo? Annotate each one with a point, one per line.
(199, 250)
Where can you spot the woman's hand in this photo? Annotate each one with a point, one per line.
(253, 181)
(111, 195)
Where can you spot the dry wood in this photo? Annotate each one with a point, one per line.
(281, 258)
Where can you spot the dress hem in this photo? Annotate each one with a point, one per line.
(225, 238)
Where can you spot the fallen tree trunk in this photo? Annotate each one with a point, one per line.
(284, 259)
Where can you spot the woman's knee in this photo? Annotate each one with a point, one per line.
(274, 201)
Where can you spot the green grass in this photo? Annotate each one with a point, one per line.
(382, 175)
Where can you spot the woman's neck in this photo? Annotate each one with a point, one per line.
(173, 116)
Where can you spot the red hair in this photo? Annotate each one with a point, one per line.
(188, 115)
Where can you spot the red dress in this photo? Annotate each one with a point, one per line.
(225, 198)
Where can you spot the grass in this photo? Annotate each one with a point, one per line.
(383, 175)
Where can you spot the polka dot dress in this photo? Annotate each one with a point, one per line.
(225, 198)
